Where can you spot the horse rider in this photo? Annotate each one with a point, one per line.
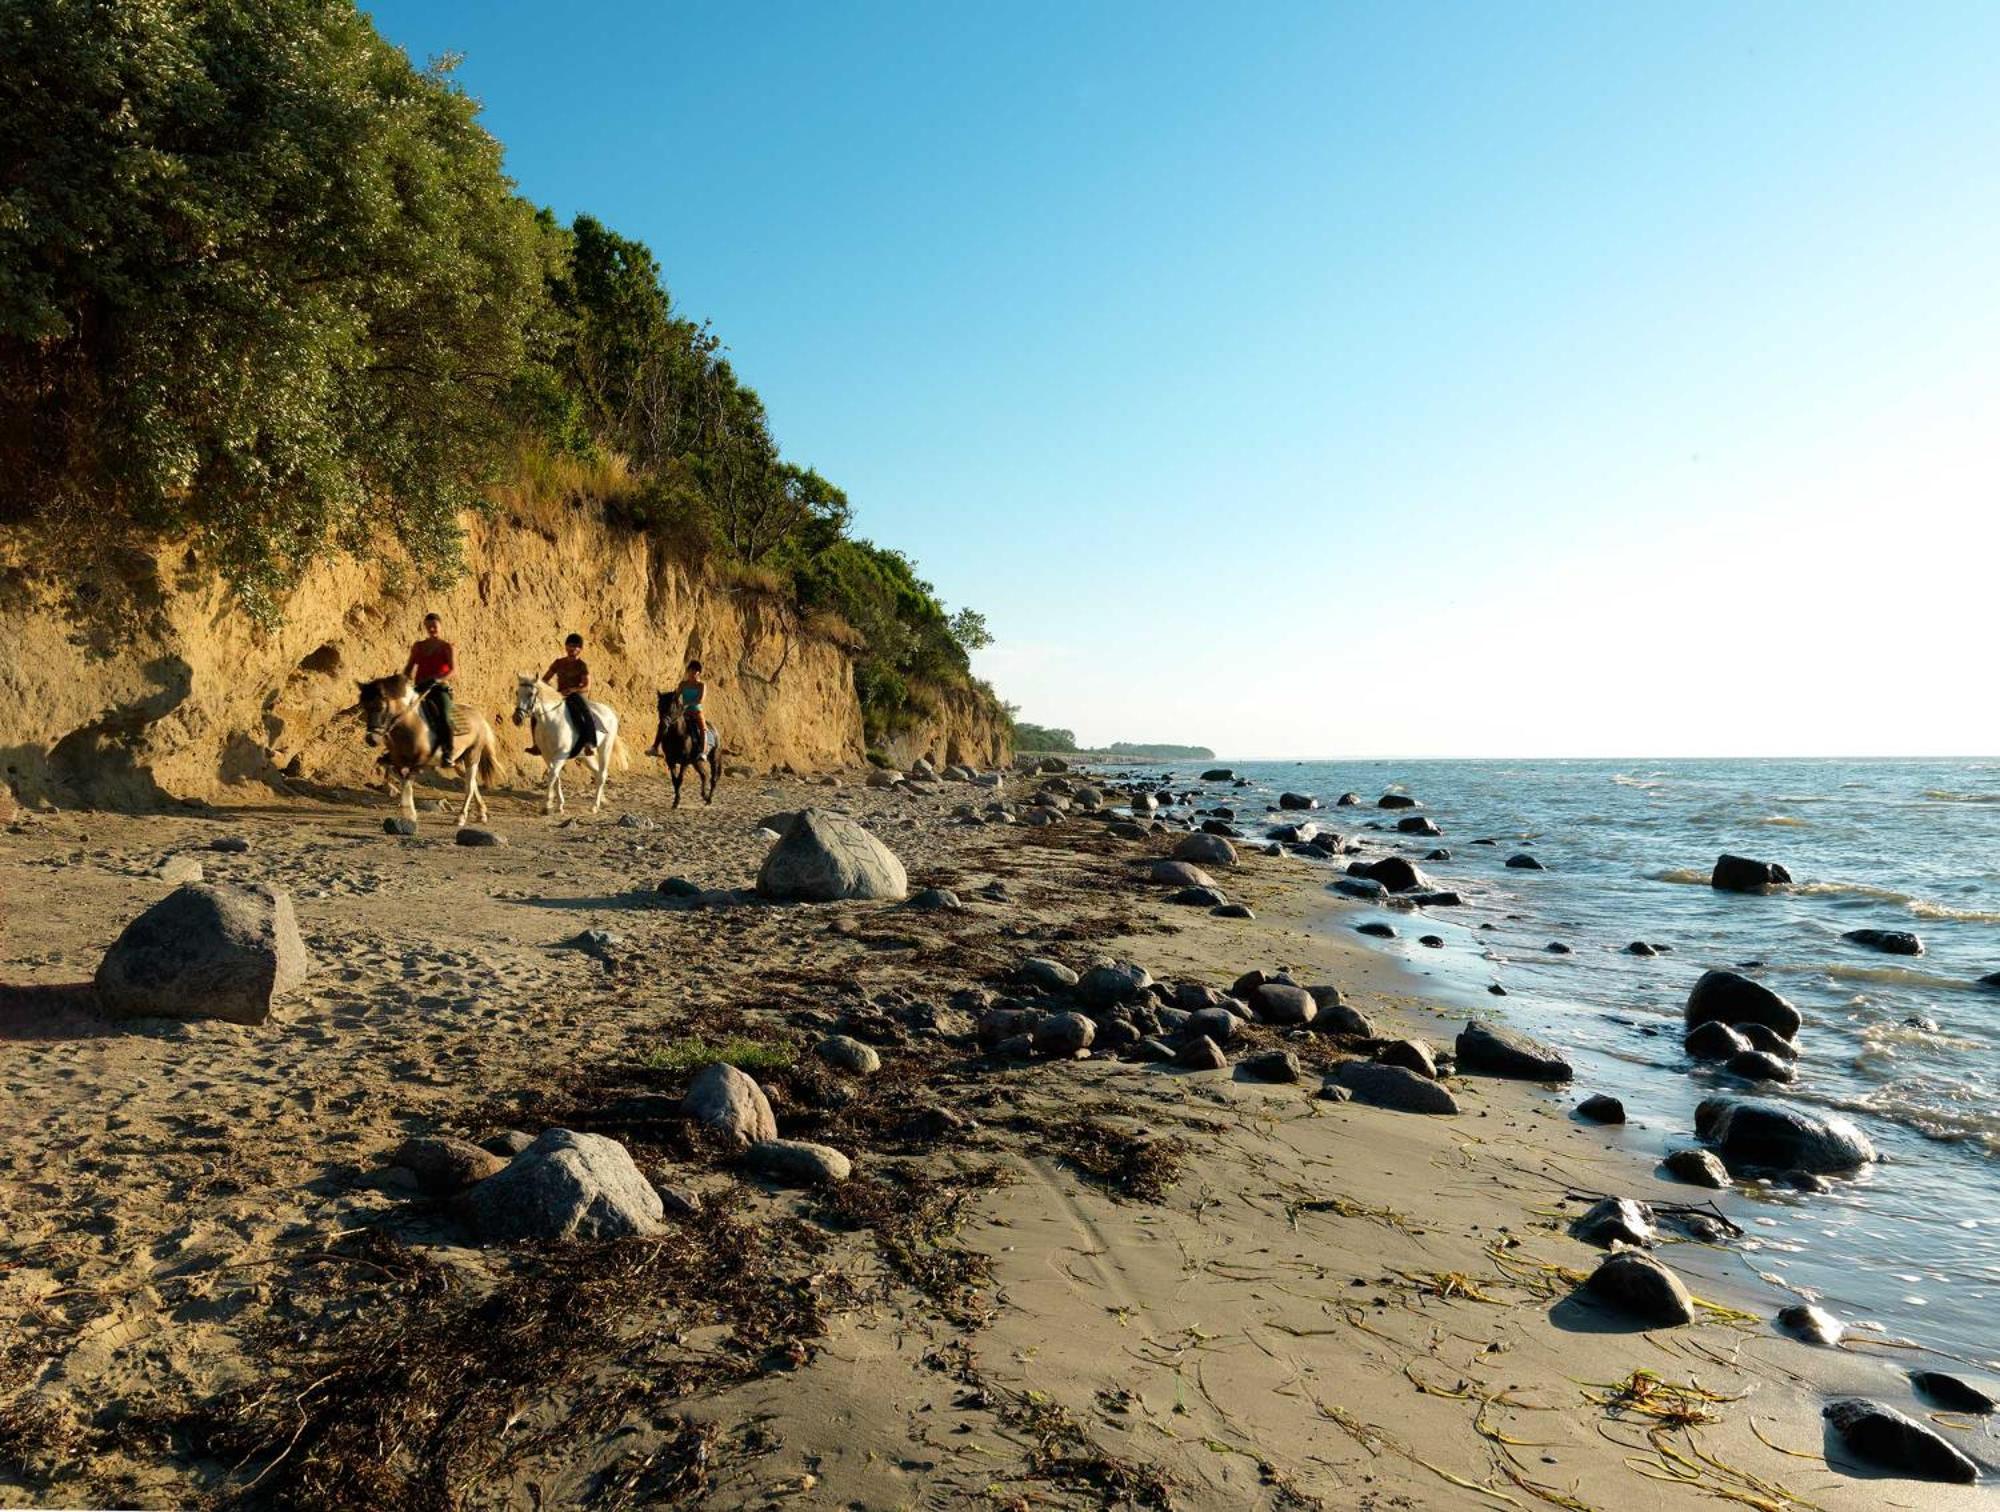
(570, 675)
(690, 692)
(429, 670)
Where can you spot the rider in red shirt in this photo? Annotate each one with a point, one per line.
(430, 667)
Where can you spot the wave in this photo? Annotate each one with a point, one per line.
(1679, 874)
(1925, 910)
(1944, 795)
(1784, 819)
(1853, 890)
(1895, 976)
(1647, 783)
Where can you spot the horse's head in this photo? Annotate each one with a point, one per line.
(527, 689)
(382, 702)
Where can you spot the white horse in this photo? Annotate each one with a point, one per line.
(546, 714)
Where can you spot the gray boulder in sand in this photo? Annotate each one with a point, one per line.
(1601, 1107)
(206, 950)
(1337, 1016)
(1615, 1220)
(1698, 1168)
(1411, 1055)
(178, 871)
(1050, 976)
(1639, 1285)
(1734, 999)
(1952, 1394)
(1198, 897)
(1218, 1024)
(730, 1102)
(825, 857)
(1493, 1051)
(445, 1167)
(566, 1186)
(1741, 874)
(1282, 1004)
(798, 1162)
(1752, 1132)
(849, 1054)
(1113, 983)
(1888, 941)
(1201, 1054)
(1813, 1324)
(1271, 1066)
(1179, 874)
(1395, 1087)
(1064, 1034)
(1882, 1436)
(1206, 849)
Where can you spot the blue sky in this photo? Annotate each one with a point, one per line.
(1317, 380)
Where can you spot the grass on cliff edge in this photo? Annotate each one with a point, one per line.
(690, 1053)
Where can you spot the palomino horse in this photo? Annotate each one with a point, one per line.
(394, 717)
(546, 713)
(676, 741)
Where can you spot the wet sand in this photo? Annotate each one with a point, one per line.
(1071, 1283)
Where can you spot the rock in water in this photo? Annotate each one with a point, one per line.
(1397, 801)
(1205, 849)
(1615, 1220)
(731, 1103)
(1395, 873)
(1525, 862)
(1889, 941)
(1638, 1284)
(206, 950)
(1360, 887)
(566, 1186)
(1640, 948)
(1501, 1052)
(1395, 1087)
(1813, 1324)
(1714, 1040)
(1297, 801)
(1734, 999)
(1218, 774)
(1752, 1132)
(1759, 1065)
(445, 1167)
(798, 1162)
(1417, 824)
(1740, 874)
(1601, 1108)
(1764, 1037)
(1700, 1167)
(1952, 1394)
(1882, 1436)
(825, 857)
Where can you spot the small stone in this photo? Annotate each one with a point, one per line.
(177, 870)
(1601, 1108)
(1201, 1054)
(1640, 948)
(1411, 1055)
(731, 1103)
(1699, 1167)
(849, 1054)
(473, 835)
(935, 900)
(1815, 1325)
(508, 1142)
(1432, 942)
(396, 824)
(1282, 1004)
(1064, 1034)
(680, 887)
(1233, 911)
(1271, 1066)
(1050, 976)
(445, 1167)
(230, 845)
(798, 1162)
(1880, 1435)
(1379, 931)
(1952, 1394)
(1641, 1286)
(1615, 1220)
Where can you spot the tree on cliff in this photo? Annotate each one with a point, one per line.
(261, 282)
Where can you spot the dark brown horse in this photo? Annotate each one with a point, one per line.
(677, 742)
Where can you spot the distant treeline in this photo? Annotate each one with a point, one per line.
(1053, 739)
(264, 285)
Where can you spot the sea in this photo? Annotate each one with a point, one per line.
(1907, 1047)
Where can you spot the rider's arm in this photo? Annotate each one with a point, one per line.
(410, 666)
(450, 663)
(583, 679)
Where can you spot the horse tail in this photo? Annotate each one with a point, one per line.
(490, 770)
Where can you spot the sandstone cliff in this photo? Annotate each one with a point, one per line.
(136, 682)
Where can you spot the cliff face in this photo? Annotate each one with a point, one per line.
(136, 684)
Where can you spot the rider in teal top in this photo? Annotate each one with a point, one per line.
(691, 690)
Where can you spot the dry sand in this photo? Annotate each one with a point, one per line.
(1051, 1284)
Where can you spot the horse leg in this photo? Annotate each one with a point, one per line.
(678, 773)
(409, 804)
(471, 791)
(603, 771)
(552, 799)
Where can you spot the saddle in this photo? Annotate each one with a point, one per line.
(446, 729)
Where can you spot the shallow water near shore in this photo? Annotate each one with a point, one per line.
(1907, 1047)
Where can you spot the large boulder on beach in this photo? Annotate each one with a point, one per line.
(799, 1162)
(1206, 850)
(1741, 874)
(1338, 1016)
(566, 1186)
(1395, 1087)
(1776, 1136)
(730, 1103)
(1731, 998)
(443, 1166)
(1642, 1287)
(1490, 1050)
(206, 950)
(1881, 1436)
(825, 857)
(1888, 941)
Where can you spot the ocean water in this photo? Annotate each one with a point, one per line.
(1909, 1048)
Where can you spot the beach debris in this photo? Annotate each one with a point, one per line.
(1283, 1004)
(1522, 861)
(799, 1162)
(1952, 1394)
(1494, 1051)
(1394, 1087)
(825, 857)
(445, 1167)
(1774, 1136)
(1206, 849)
(1759, 1065)
(730, 1102)
(1638, 1284)
(1697, 1167)
(472, 834)
(1110, 983)
(1615, 1220)
(1064, 1034)
(1741, 874)
(1601, 1107)
(1048, 975)
(566, 1186)
(1200, 1053)
(1734, 999)
(1412, 1055)
(849, 1054)
(1888, 941)
(1880, 1435)
(206, 950)
(1271, 1066)
(1813, 1324)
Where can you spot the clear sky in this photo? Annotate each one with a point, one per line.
(1351, 379)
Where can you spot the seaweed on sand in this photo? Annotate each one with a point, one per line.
(1134, 1166)
(1064, 1454)
(915, 1218)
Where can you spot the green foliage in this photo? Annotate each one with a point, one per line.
(1154, 751)
(690, 1053)
(1034, 737)
(262, 283)
(910, 645)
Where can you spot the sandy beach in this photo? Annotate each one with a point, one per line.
(1049, 1282)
